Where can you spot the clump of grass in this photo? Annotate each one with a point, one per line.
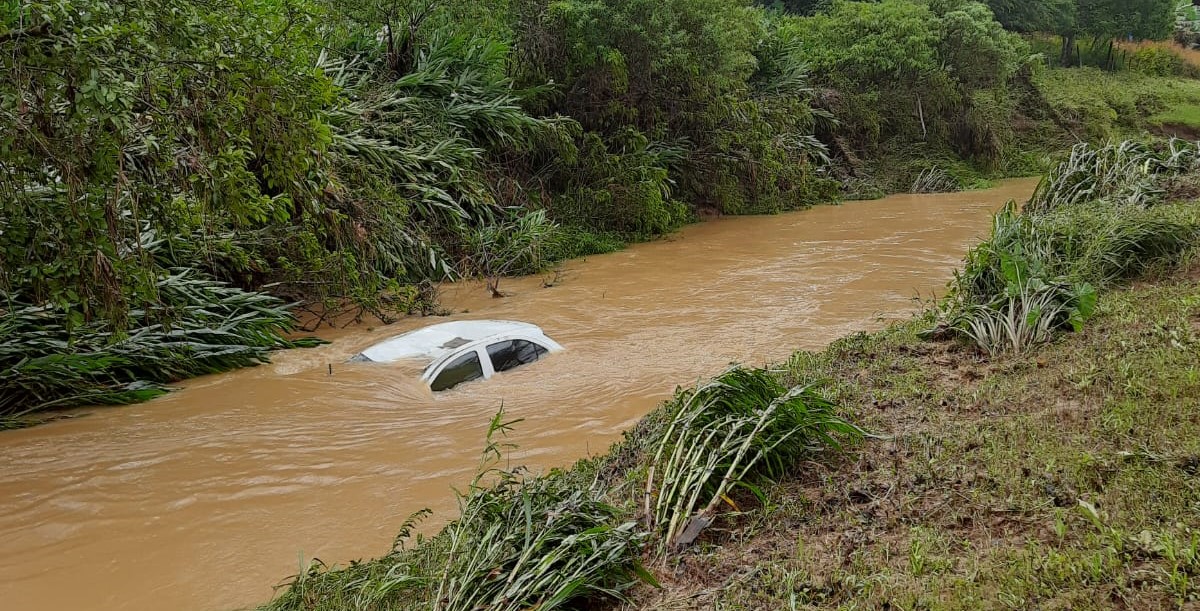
(730, 432)
(935, 180)
(1022, 319)
(1090, 223)
(1122, 172)
(534, 542)
(1116, 243)
(202, 326)
(1008, 297)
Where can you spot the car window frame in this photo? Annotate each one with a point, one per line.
(485, 365)
(485, 360)
(541, 350)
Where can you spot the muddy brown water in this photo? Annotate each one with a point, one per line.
(207, 497)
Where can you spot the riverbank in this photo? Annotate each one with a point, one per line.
(1066, 478)
(1015, 464)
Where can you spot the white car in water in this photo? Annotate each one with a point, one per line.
(465, 350)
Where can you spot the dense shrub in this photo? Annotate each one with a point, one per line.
(697, 99)
(345, 152)
(914, 71)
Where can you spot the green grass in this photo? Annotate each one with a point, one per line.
(1181, 114)
(1097, 105)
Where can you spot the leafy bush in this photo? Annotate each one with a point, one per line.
(1156, 61)
(705, 86)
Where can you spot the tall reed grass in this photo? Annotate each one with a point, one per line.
(1098, 218)
(731, 432)
(199, 326)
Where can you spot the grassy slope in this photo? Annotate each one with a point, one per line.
(1089, 104)
(1112, 105)
(972, 500)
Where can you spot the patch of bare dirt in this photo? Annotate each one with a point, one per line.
(1177, 130)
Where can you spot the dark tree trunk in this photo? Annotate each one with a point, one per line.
(1068, 42)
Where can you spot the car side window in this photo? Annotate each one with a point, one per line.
(513, 353)
(462, 369)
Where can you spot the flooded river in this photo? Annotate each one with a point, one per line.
(205, 498)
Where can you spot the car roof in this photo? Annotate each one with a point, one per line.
(436, 341)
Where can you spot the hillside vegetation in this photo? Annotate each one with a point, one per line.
(174, 174)
(157, 153)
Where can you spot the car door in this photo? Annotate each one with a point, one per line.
(465, 367)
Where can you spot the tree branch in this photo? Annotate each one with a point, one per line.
(37, 31)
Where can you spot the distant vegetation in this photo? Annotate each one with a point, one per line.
(349, 154)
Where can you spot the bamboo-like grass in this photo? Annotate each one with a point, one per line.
(521, 542)
(1113, 173)
(199, 326)
(1096, 219)
(733, 431)
(935, 180)
(526, 542)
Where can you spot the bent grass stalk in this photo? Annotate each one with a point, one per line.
(729, 432)
(534, 542)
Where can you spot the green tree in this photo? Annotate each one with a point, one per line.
(1140, 19)
(911, 70)
(670, 83)
(1045, 16)
(1099, 20)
